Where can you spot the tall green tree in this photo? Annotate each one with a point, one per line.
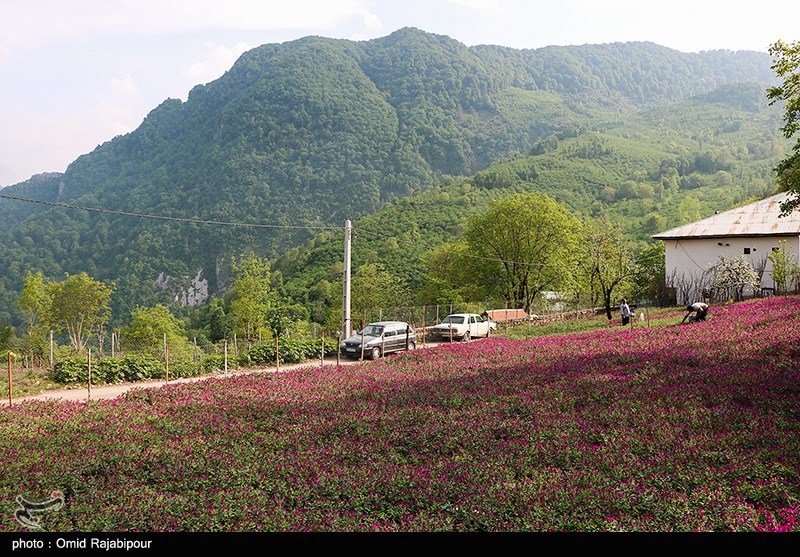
(35, 301)
(521, 246)
(374, 288)
(784, 267)
(445, 282)
(79, 306)
(150, 327)
(606, 260)
(787, 67)
(218, 322)
(650, 282)
(253, 296)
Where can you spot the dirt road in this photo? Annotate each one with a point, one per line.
(82, 394)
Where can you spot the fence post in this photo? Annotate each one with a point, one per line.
(226, 355)
(277, 357)
(322, 351)
(89, 377)
(166, 358)
(9, 377)
(423, 326)
(338, 344)
(113, 341)
(236, 350)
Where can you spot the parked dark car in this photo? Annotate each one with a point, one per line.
(379, 339)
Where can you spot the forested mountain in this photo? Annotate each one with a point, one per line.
(312, 132)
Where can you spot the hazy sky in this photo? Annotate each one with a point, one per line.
(74, 74)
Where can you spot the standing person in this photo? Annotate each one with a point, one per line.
(625, 309)
(700, 310)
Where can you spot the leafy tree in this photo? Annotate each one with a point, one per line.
(6, 334)
(79, 306)
(219, 325)
(650, 281)
(147, 330)
(521, 246)
(689, 209)
(36, 303)
(784, 267)
(253, 296)
(447, 266)
(606, 260)
(280, 319)
(375, 288)
(787, 67)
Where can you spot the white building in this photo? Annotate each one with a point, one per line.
(753, 231)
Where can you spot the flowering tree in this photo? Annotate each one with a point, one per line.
(731, 276)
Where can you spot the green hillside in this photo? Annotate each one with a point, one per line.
(306, 134)
(647, 171)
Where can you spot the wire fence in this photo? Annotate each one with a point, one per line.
(115, 357)
(500, 312)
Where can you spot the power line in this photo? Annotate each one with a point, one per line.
(175, 219)
(384, 236)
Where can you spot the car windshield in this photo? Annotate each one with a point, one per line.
(459, 319)
(373, 330)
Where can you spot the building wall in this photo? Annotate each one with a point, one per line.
(688, 259)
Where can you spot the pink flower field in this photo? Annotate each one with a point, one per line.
(678, 428)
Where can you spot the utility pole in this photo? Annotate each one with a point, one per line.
(346, 321)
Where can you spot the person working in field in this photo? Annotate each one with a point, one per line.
(700, 310)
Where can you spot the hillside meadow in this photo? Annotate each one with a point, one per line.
(664, 429)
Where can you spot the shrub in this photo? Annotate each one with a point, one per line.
(291, 351)
(212, 363)
(107, 370)
(185, 368)
(71, 370)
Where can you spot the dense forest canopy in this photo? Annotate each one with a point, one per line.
(407, 135)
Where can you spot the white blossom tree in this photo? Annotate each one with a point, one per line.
(731, 276)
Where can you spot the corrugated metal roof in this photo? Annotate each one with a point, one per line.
(761, 218)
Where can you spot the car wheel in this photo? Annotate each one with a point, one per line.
(376, 353)
(467, 337)
(411, 345)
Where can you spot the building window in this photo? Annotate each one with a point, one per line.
(747, 251)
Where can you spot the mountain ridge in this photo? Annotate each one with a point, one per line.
(316, 130)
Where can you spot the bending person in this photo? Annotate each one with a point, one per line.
(700, 310)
